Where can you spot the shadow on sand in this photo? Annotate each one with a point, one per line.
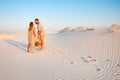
(17, 44)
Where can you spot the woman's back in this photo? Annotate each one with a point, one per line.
(31, 36)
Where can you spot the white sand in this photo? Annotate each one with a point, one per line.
(79, 55)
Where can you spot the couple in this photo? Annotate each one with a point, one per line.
(32, 37)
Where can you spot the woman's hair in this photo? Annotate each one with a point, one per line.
(31, 26)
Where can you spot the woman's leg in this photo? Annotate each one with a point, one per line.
(30, 48)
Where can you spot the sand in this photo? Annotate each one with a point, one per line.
(76, 55)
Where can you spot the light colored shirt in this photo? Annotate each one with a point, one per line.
(41, 29)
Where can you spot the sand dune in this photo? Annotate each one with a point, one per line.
(76, 55)
(114, 25)
(67, 29)
(70, 29)
(7, 36)
(115, 28)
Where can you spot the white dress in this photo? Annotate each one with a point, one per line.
(31, 36)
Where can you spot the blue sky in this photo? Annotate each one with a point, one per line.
(15, 15)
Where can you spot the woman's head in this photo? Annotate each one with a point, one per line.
(31, 26)
(37, 21)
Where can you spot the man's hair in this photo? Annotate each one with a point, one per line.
(36, 19)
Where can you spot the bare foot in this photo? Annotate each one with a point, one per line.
(42, 48)
(29, 51)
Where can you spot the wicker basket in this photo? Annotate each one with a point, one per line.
(38, 43)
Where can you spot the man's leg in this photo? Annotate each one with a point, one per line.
(42, 42)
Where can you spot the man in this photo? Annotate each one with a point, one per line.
(40, 32)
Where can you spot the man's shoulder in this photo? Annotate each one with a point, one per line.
(41, 25)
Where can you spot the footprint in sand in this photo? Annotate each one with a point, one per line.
(98, 69)
(117, 75)
(52, 58)
(118, 65)
(58, 51)
(71, 62)
(89, 59)
(58, 55)
(108, 60)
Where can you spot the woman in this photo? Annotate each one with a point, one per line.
(31, 37)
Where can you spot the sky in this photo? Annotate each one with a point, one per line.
(15, 15)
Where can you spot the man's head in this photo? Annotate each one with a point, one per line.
(37, 21)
